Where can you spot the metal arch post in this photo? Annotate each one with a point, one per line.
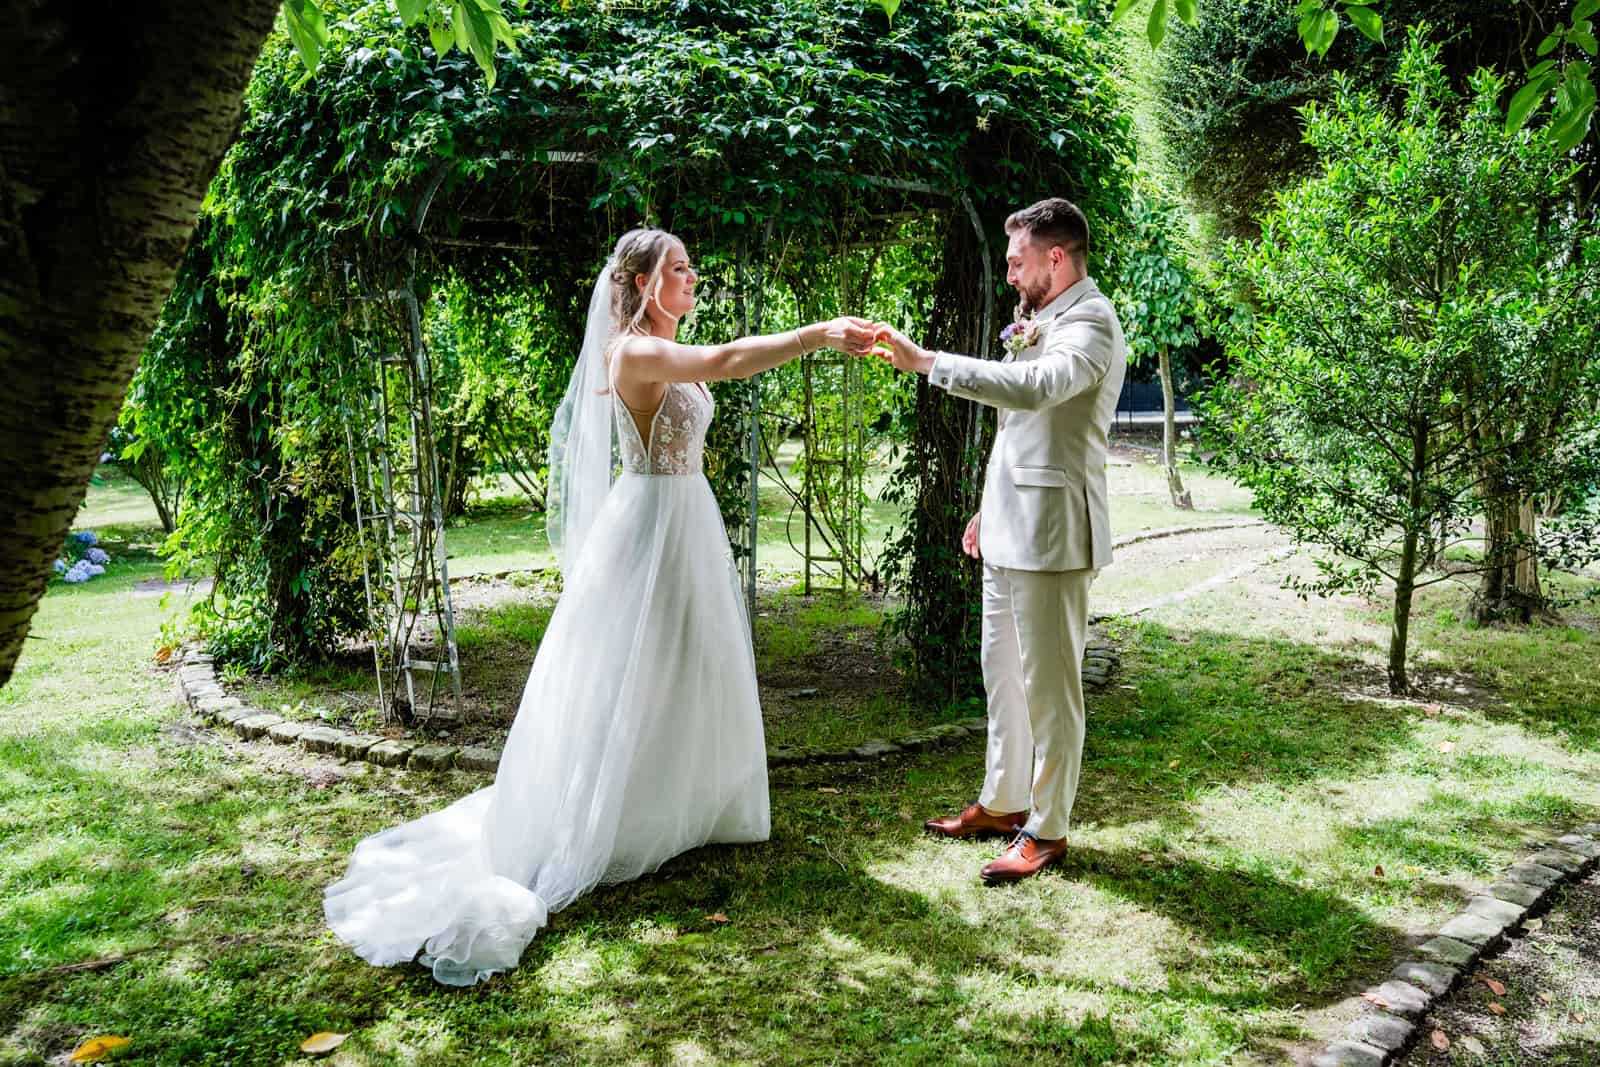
(424, 378)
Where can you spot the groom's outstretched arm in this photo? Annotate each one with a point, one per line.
(1077, 352)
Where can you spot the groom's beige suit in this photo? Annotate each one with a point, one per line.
(1044, 531)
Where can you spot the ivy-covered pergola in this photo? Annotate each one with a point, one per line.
(789, 145)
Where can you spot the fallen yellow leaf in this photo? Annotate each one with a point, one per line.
(1546, 997)
(827, 789)
(1578, 1017)
(1497, 988)
(1497, 1008)
(98, 1048)
(1532, 925)
(322, 1041)
(716, 917)
(1172, 765)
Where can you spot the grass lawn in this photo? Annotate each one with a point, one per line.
(1245, 778)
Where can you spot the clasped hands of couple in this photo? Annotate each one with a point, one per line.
(863, 337)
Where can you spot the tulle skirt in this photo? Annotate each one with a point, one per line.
(638, 737)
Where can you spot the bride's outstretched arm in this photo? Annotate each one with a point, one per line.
(646, 360)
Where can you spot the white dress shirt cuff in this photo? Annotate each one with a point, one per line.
(943, 370)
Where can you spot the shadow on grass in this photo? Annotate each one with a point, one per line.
(840, 946)
(850, 937)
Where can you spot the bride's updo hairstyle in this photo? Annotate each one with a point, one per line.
(639, 253)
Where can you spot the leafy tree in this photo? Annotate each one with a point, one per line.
(1411, 336)
(1229, 90)
(1564, 80)
(1155, 300)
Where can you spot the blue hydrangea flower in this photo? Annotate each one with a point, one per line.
(97, 555)
(61, 565)
(75, 576)
(87, 537)
(94, 569)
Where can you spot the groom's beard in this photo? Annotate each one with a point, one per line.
(1032, 299)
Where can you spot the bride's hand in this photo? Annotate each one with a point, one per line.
(848, 334)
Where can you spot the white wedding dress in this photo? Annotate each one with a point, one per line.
(639, 734)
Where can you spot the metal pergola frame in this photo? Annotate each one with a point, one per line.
(423, 579)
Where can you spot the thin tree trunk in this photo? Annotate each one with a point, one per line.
(1405, 583)
(1404, 589)
(113, 119)
(1169, 433)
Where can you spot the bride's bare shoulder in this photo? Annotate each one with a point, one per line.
(639, 347)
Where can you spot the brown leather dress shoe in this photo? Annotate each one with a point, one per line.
(975, 822)
(1027, 856)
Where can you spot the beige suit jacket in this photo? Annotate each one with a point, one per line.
(1044, 492)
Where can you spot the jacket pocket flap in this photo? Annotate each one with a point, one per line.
(1048, 477)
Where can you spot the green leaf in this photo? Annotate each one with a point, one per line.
(1582, 35)
(1570, 128)
(1122, 8)
(1585, 8)
(889, 8)
(480, 36)
(1187, 11)
(411, 10)
(1528, 98)
(440, 36)
(1367, 21)
(1574, 108)
(1156, 27)
(307, 30)
(1318, 28)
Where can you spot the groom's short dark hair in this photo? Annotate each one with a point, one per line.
(1054, 222)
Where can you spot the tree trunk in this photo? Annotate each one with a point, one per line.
(943, 589)
(1510, 590)
(1404, 589)
(1169, 433)
(1405, 582)
(113, 119)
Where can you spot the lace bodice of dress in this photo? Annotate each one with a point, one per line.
(677, 433)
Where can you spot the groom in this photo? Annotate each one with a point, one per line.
(1042, 529)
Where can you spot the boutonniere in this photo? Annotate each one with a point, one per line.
(1024, 333)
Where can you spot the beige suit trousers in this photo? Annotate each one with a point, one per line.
(1034, 624)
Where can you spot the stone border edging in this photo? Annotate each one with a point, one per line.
(1442, 963)
(1178, 531)
(202, 692)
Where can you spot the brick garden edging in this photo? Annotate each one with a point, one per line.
(203, 693)
(1383, 1033)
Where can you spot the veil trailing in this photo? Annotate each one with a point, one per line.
(583, 442)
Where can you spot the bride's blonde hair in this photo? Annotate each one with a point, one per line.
(641, 252)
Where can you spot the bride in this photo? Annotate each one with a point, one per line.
(639, 733)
